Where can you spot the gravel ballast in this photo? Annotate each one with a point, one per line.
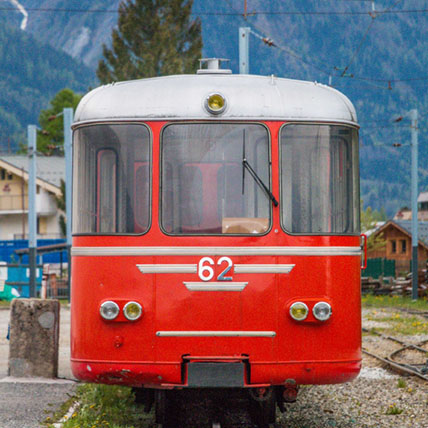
(377, 398)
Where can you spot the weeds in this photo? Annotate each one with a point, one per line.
(393, 410)
(401, 383)
(396, 322)
(369, 300)
(105, 406)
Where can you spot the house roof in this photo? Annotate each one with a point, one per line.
(50, 170)
(423, 197)
(406, 227)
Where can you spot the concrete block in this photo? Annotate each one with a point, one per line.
(34, 338)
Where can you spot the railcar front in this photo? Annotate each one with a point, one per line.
(216, 235)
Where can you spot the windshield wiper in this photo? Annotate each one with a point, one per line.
(253, 174)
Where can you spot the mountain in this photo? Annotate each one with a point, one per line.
(81, 35)
(385, 56)
(30, 74)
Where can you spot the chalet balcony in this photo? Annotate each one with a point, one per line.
(13, 203)
(18, 204)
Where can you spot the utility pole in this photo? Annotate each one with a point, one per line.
(414, 194)
(68, 150)
(32, 209)
(244, 46)
(23, 201)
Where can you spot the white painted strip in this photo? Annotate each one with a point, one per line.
(216, 333)
(167, 268)
(263, 268)
(216, 251)
(215, 286)
(73, 408)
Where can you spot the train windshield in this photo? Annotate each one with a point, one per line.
(111, 179)
(319, 179)
(206, 188)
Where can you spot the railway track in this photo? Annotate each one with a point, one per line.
(414, 312)
(403, 357)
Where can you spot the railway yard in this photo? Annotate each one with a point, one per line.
(382, 396)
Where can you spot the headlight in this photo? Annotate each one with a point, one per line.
(299, 311)
(132, 311)
(215, 103)
(322, 311)
(109, 310)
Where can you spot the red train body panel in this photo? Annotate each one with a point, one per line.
(141, 353)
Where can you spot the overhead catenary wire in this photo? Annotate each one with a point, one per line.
(327, 69)
(201, 13)
(373, 15)
(357, 51)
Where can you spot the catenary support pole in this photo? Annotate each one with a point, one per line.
(68, 150)
(244, 46)
(32, 209)
(414, 128)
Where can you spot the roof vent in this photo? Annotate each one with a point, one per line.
(212, 66)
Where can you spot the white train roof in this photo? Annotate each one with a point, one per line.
(248, 97)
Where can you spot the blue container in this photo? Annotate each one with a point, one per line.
(19, 278)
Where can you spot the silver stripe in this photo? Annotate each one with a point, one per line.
(215, 333)
(167, 268)
(263, 268)
(216, 251)
(215, 286)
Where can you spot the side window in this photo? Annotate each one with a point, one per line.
(319, 179)
(111, 182)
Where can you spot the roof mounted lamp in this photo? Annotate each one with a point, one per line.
(215, 103)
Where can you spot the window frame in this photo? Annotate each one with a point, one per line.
(150, 159)
(355, 177)
(223, 122)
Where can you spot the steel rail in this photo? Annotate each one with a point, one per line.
(397, 367)
(412, 369)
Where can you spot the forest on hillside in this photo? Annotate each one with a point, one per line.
(30, 74)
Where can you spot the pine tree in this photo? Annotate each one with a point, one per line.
(51, 138)
(153, 38)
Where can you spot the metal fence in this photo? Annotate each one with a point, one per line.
(379, 268)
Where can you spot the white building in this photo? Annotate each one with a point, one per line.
(14, 196)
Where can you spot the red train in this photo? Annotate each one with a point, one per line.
(216, 237)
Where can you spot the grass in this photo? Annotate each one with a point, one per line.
(369, 300)
(401, 383)
(393, 410)
(396, 322)
(104, 406)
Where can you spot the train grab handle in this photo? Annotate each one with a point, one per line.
(363, 243)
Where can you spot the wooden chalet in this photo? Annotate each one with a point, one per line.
(398, 237)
